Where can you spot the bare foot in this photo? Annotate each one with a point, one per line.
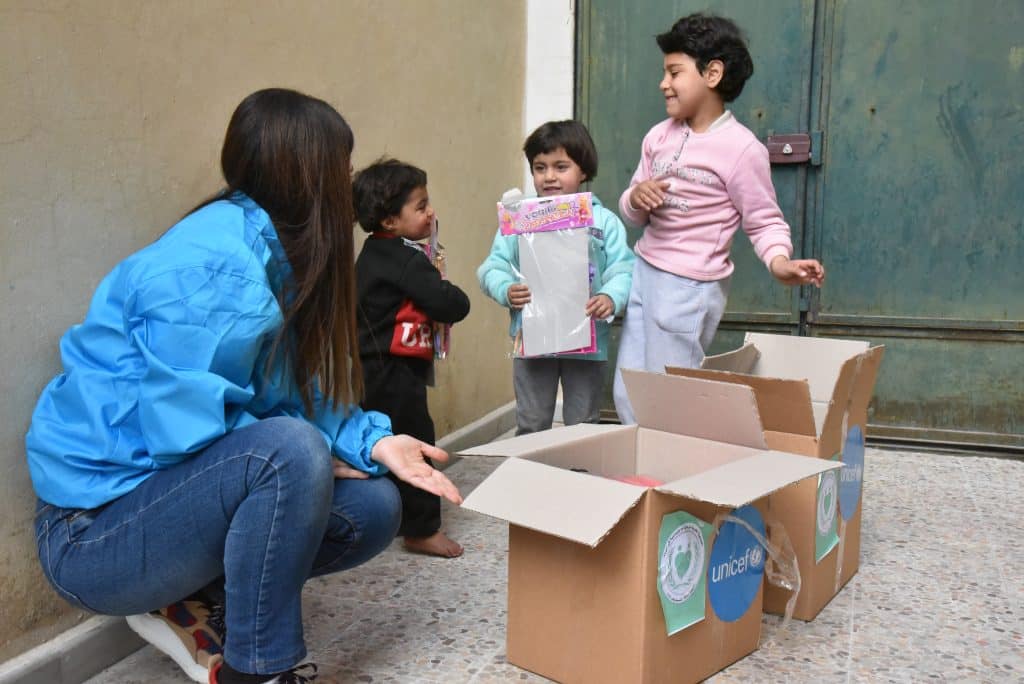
(437, 544)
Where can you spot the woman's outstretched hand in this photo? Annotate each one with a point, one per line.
(403, 455)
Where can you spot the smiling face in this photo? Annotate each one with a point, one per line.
(555, 173)
(416, 218)
(689, 94)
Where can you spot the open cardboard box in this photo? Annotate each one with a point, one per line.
(589, 560)
(812, 396)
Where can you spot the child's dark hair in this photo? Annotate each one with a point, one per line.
(706, 37)
(382, 188)
(570, 135)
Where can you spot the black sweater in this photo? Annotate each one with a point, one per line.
(399, 293)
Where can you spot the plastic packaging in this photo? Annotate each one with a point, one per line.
(553, 235)
(437, 255)
(781, 568)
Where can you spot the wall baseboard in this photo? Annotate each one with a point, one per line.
(75, 655)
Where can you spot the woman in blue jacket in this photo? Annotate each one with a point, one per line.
(204, 432)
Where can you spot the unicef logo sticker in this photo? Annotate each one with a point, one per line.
(737, 564)
(682, 562)
(851, 478)
(827, 502)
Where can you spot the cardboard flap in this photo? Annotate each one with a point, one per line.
(820, 409)
(524, 444)
(575, 506)
(852, 392)
(692, 406)
(864, 385)
(816, 359)
(842, 396)
(784, 405)
(740, 360)
(740, 482)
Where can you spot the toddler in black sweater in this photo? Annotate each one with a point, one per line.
(400, 295)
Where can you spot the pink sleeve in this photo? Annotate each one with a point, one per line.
(637, 218)
(750, 189)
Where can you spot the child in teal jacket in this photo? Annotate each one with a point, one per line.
(562, 156)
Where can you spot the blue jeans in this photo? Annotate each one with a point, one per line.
(259, 507)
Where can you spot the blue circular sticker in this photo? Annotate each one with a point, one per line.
(851, 476)
(736, 565)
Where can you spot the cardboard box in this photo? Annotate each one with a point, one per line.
(589, 561)
(812, 396)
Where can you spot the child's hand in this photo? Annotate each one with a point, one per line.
(798, 271)
(600, 306)
(518, 296)
(403, 455)
(649, 194)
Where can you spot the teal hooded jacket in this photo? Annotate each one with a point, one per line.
(172, 355)
(609, 254)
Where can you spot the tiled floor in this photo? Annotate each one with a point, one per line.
(939, 596)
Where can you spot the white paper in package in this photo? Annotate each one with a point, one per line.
(556, 264)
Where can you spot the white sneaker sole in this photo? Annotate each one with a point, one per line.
(163, 638)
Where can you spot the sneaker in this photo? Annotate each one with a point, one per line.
(292, 676)
(190, 632)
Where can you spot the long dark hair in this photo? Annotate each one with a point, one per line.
(291, 154)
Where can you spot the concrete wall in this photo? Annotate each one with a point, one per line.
(111, 118)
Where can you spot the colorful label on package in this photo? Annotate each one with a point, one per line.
(737, 565)
(682, 550)
(539, 214)
(826, 534)
(851, 477)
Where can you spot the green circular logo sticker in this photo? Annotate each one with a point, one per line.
(682, 562)
(827, 502)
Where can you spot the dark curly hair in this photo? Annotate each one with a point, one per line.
(706, 37)
(382, 188)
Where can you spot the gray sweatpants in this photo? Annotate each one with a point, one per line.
(670, 321)
(536, 385)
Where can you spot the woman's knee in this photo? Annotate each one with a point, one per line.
(297, 444)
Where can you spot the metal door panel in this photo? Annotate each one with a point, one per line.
(916, 210)
(620, 66)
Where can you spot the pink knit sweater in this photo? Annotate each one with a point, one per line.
(718, 179)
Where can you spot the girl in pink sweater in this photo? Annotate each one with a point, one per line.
(701, 175)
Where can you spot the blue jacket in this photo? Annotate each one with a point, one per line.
(172, 355)
(609, 253)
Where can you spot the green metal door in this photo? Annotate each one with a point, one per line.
(915, 207)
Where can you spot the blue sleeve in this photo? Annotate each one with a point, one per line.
(352, 435)
(200, 334)
(500, 270)
(204, 336)
(617, 277)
